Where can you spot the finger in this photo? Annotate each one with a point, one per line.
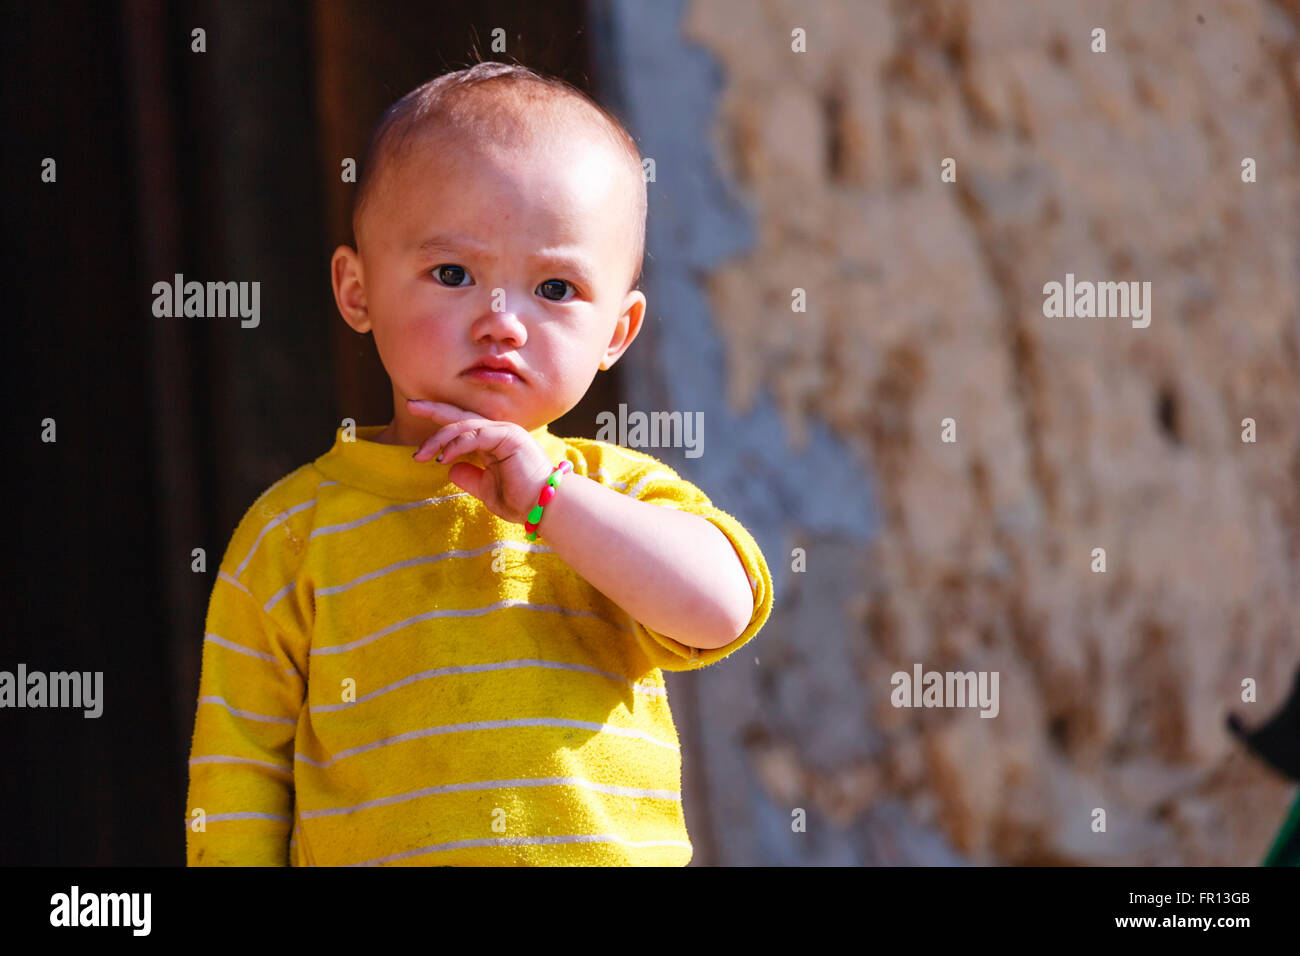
(430, 446)
(427, 449)
(437, 441)
(469, 439)
(479, 434)
(439, 411)
(468, 478)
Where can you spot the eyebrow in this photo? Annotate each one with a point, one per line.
(448, 242)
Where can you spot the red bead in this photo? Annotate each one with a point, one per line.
(548, 492)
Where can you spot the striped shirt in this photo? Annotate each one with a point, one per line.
(394, 675)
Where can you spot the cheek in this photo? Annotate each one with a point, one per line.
(573, 360)
(420, 341)
(385, 344)
(412, 321)
(401, 337)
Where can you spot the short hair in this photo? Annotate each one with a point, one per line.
(479, 101)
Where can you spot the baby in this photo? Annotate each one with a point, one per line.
(442, 642)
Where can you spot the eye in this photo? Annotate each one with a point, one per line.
(449, 274)
(555, 285)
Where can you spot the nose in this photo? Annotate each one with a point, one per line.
(501, 324)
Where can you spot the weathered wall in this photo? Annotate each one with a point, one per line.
(820, 170)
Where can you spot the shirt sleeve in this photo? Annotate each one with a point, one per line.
(239, 809)
(659, 485)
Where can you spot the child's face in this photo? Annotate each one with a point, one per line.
(476, 252)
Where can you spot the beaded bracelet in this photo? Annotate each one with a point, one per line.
(548, 492)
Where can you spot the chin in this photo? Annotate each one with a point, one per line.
(489, 410)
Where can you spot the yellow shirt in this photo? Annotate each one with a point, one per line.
(393, 674)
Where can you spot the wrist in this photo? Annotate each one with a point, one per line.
(535, 484)
(546, 492)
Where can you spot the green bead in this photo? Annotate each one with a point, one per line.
(531, 536)
(554, 480)
(535, 515)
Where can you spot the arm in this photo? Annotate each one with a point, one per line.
(674, 572)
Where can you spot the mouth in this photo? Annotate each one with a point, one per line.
(492, 375)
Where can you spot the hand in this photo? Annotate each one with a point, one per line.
(516, 466)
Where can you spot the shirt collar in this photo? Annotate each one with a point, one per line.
(390, 471)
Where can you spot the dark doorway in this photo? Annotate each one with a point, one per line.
(218, 165)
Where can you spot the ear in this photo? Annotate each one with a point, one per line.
(627, 329)
(348, 279)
